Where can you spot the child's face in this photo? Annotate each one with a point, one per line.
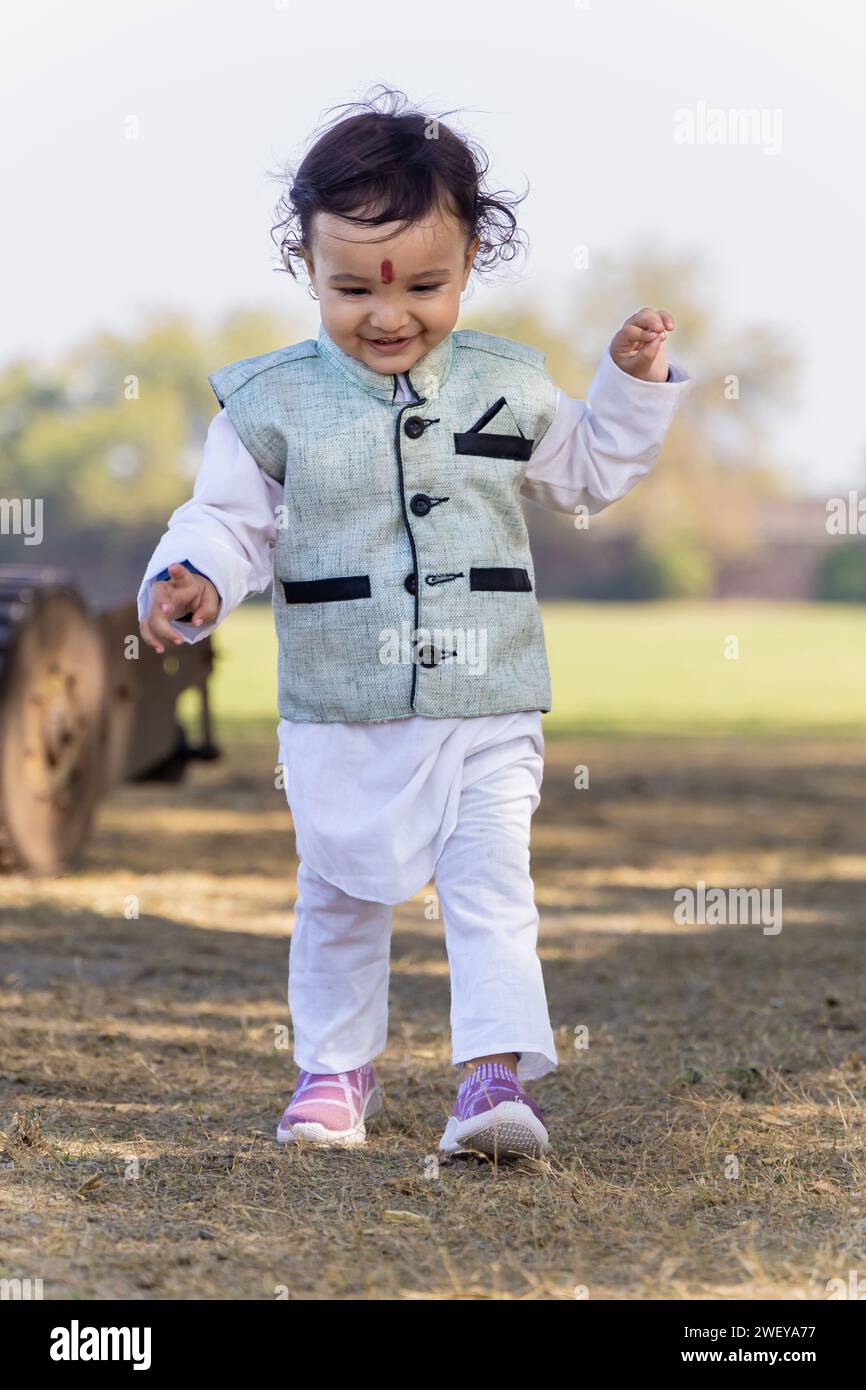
(406, 288)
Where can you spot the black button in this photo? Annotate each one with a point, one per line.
(409, 583)
(427, 656)
(420, 504)
(414, 427)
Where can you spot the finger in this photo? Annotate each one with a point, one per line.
(148, 635)
(205, 613)
(650, 341)
(179, 598)
(177, 606)
(162, 596)
(161, 629)
(642, 342)
(157, 633)
(182, 589)
(649, 319)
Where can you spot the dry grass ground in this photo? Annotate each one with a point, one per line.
(141, 1084)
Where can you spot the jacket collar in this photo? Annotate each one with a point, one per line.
(427, 377)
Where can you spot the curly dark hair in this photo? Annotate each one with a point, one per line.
(385, 161)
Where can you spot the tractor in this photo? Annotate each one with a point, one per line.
(85, 704)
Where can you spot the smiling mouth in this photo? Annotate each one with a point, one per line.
(388, 342)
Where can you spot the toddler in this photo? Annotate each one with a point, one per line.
(374, 475)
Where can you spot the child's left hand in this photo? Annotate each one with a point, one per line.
(637, 347)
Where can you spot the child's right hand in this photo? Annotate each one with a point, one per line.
(170, 599)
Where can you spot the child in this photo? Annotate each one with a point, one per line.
(374, 473)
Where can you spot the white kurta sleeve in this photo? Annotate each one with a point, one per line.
(227, 529)
(596, 450)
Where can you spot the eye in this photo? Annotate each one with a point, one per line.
(422, 288)
(355, 291)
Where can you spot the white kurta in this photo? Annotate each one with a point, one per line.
(373, 804)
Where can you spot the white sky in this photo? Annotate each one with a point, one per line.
(98, 229)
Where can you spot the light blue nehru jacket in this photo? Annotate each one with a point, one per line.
(403, 579)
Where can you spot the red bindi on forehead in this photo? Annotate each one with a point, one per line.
(386, 270)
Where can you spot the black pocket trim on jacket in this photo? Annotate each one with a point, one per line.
(326, 590)
(494, 446)
(514, 581)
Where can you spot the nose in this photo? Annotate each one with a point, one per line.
(389, 319)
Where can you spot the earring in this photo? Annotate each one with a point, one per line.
(311, 294)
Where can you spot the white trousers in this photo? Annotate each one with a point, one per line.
(340, 946)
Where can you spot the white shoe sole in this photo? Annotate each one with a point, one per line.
(315, 1133)
(509, 1130)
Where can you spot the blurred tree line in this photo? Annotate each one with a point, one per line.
(111, 436)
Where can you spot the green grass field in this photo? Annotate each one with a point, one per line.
(641, 669)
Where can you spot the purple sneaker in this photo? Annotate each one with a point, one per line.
(331, 1108)
(493, 1115)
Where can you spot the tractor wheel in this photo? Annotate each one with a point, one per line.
(53, 685)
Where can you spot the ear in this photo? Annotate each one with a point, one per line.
(470, 258)
(308, 262)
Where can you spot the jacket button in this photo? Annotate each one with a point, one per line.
(409, 583)
(420, 504)
(414, 427)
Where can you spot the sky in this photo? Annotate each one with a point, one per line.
(584, 100)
